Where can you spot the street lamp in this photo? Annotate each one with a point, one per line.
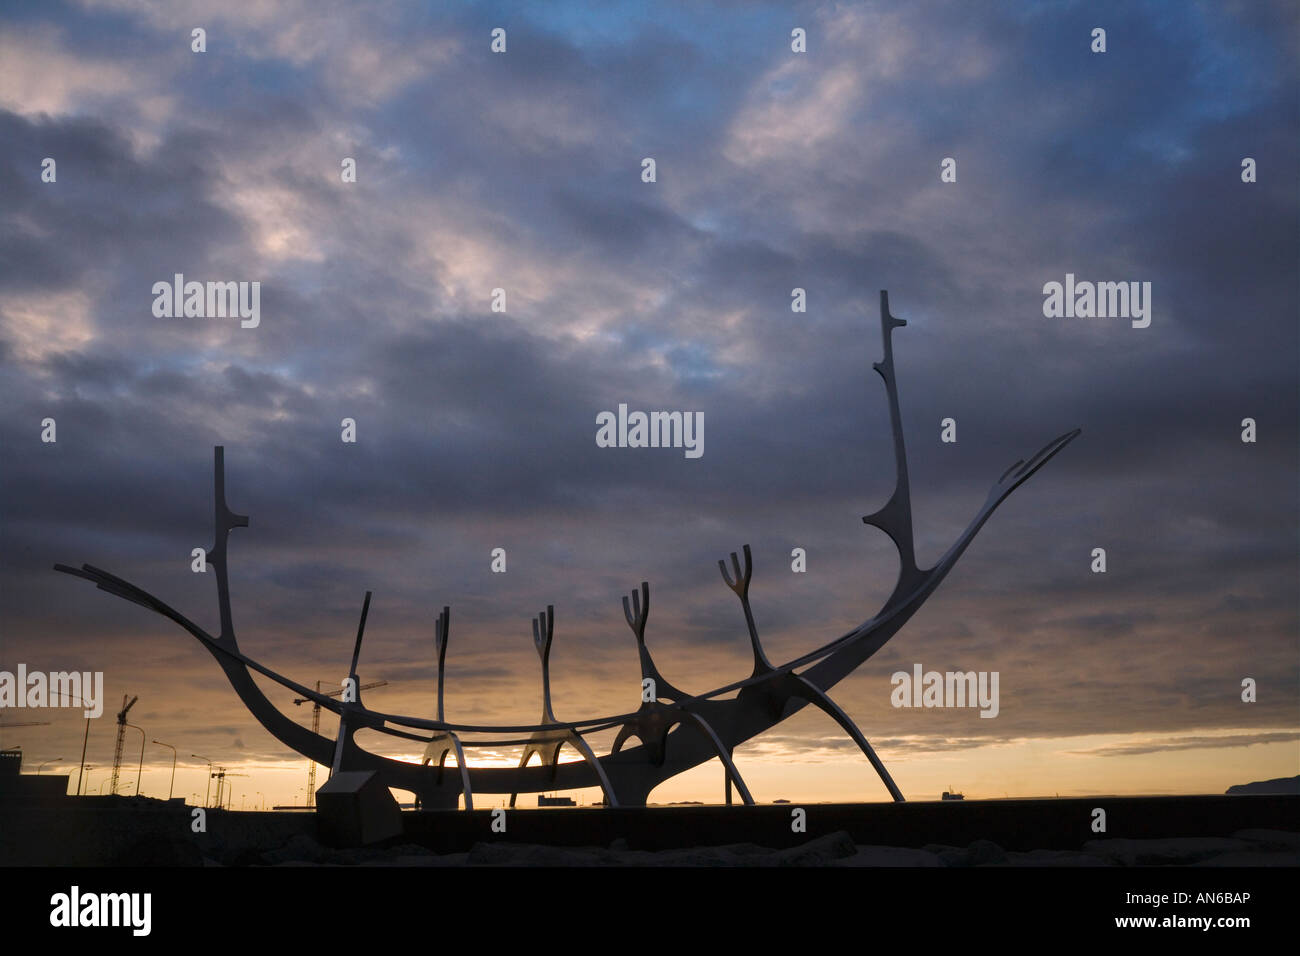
(55, 760)
(172, 786)
(85, 739)
(208, 788)
(139, 770)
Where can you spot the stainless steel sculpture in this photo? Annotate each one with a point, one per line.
(677, 730)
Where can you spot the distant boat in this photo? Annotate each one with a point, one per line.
(953, 795)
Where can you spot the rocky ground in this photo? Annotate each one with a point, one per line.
(1244, 848)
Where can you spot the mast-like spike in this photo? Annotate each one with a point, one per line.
(361, 630)
(441, 630)
(224, 521)
(543, 631)
(637, 614)
(895, 518)
(446, 741)
(740, 585)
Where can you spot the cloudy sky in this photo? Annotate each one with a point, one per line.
(775, 170)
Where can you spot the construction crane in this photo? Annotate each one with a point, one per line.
(121, 735)
(315, 729)
(221, 774)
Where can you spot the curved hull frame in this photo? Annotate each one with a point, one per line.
(676, 730)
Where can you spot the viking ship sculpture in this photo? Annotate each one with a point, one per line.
(676, 730)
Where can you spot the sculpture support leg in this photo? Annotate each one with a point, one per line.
(436, 752)
(336, 765)
(548, 750)
(816, 696)
(523, 762)
(723, 755)
(581, 746)
(464, 773)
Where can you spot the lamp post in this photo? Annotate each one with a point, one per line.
(55, 760)
(208, 788)
(139, 770)
(172, 786)
(85, 739)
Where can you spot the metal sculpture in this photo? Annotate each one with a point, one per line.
(677, 730)
(547, 744)
(447, 742)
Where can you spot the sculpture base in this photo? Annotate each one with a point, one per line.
(355, 809)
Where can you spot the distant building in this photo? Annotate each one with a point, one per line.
(11, 762)
(17, 787)
(545, 801)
